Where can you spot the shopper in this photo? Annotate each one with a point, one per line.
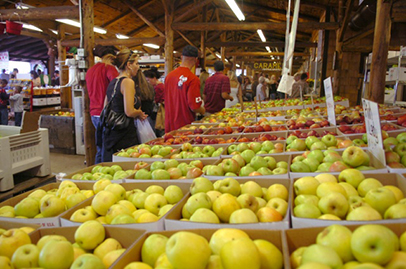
(234, 88)
(121, 93)
(16, 99)
(247, 89)
(296, 86)
(4, 97)
(152, 75)
(182, 92)
(217, 90)
(98, 78)
(14, 73)
(255, 85)
(261, 95)
(273, 86)
(4, 75)
(36, 81)
(203, 77)
(146, 93)
(55, 79)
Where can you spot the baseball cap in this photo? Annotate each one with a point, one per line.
(190, 51)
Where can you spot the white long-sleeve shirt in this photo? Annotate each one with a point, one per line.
(17, 102)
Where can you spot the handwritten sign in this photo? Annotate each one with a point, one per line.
(328, 89)
(373, 128)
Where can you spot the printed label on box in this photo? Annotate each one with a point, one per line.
(373, 126)
(328, 89)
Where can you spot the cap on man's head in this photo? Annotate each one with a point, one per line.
(190, 51)
(218, 66)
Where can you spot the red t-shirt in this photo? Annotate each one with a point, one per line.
(182, 94)
(98, 78)
(215, 85)
(159, 93)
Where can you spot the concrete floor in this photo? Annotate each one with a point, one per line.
(66, 163)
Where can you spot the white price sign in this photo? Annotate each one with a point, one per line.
(373, 128)
(328, 90)
(4, 60)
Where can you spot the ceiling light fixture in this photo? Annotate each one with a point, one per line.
(151, 45)
(268, 49)
(77, 24)
(31, 27)
(218, 55)
(120, 36)
(261, 35)
(237, 65)
(237, 11)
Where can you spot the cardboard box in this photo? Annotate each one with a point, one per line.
(150, 226)
(283, 142)
(10, 224)
(172, 220)
(134, 253)
(126, 237)
(215, 146)
(214, 130)
(397, 73)
(278, 158)
(282, 135)
(296, 238)
(43, 222)
(374, 162)
(321, 131)
(386, 179)
(131, 179)
(197, 142)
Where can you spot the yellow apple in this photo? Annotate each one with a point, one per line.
(147, 217)
(127, 204)
(74, 199)
(116, 210)
(90, 234)
(325, 178)
(152, 248)
(117, 190)
(396, 191)
(26, 229)
(243, 215)
(82, 215)
(225, 205)
(223, 236)
(241, 253)
(112, 256)
(99, 185)
(137, 265)
(11, 240)
(56, 254)
(37, 194)
(46, 238)
(7, 211)
(28, 207)
(271, 257)
(5, 263)
(109, 244)
(137, 213)
(87, 261)
(277, 191)
(52, 206)
(102, 201)
(25, 256)
(77, 251)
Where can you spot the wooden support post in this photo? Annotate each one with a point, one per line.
(88, 44)
(51, 61)
(66, 94)
(325, 53)
(203, 38)
(380, 51)
(169, 14)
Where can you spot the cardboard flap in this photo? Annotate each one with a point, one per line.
(30, 122)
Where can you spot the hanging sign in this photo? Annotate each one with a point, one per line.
(268, 65)
(328, 90)
(4, 60)
(373, 128)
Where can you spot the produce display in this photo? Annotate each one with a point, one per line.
(350, 196)
(228, 201)
(146, 151)
(266, 147)
(113, 172)
(367, 246)
(169, 169)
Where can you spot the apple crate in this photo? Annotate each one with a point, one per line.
(302, 237)
(318, 132)
(304, 139)
(293, 107)
(386, 179)
(173, 222)
(130, 179)
(215, 130)
(374, 162)
(271, 136)
(194, 126)
(283, 142)
(22, 152)
(125, 236)
(161, 141)
(188, 133)
(278, 158)
(345, 103)
(200, 122)
(9, 224)
(117, 158)
(252, 129)
(215, 146)
(134, 253)
(124, 165)
(43, 222)
(212, 139)
(150, 226)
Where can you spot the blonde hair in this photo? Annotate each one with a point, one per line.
(123, 57)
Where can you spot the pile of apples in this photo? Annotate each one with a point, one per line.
(91, 249)
(318, 133)
(227, 248)
(331, 161)
(194, 127)
(114, 172)
(302, 123)
(402, 121)
(169, 169)
(187, 151)
(225, 130)
(46, 204)
(351, 118)
(395, 150)
(367, 246)
(352, 197)
(113, 204)
(293, 143)
(170, 139)
(259, 128)
(146, 151)
(247, 164)
(228, 201)
(63, 114)
(213, 140)
(261, 138)
(266, 147)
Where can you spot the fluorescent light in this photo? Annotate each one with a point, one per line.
(225, 59)
(151, 45)
(54, 31)
(31, 27)
(22, 6)
(237, 11)
(261, 35)
(77, 24)
(268, 49)
(175, 51)
(218, 55)
(273, 58)
(120, 36)
(237, 65)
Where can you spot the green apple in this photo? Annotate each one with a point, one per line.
(364, 213)
(204, 215)
(143, 174)
(390, 141)
(246, 200)
(243, 215)
(247, 155)
(56, 254)
(196, 201)
(209, 150)
(255, 146)
(157, 165)
(267, 146)
(188, 250)
(225, 205)
(173, 194)
(299, 167)
(329, 140)
(214, 170)
(90, 234)
(380, 199)
(87, 260)
(270, 256)
(239, 159)
(306, 185)
(139, 199)
(324, 167)
(222, 236)
(26, 256)
(240, 253)
(306, 199)
(102, 201)
(201, 184)
(298, 158)
(52, 207)
(312, 163)
(355, 156)
(160, 174)
(321, 254)
(326, 188)
(28, 207)
(307, 211)
(281, 164)
(251, 187)
(279, 205)
(337, 237)
(246, 170)
(316, 154)
(310, 140)
(109, 244)
(318, 146)
(170, 163)
(368, 184)
(155, 189)
(297, 144)
(154, 202)
(229, 185)
(258, 162)
(374, 243)
(271, 162)
(331, 157)
(152, 248)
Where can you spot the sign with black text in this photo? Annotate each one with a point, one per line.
(328, 90)
(373, 128)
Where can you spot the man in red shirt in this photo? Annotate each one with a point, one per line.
(217, 90)
(98, 78)
(182, 92)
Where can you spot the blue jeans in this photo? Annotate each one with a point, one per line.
(98, 158)
(3, 116)
(18, 116)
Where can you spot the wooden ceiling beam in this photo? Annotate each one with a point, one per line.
(131, 42)
(359, 36)
(264, 54)
(259, 44)
(41, 13)
(19, 57)
(194, 8)
(344, 23)
(253, 26)
(116, 19)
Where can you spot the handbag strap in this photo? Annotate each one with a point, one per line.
(115, 87)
